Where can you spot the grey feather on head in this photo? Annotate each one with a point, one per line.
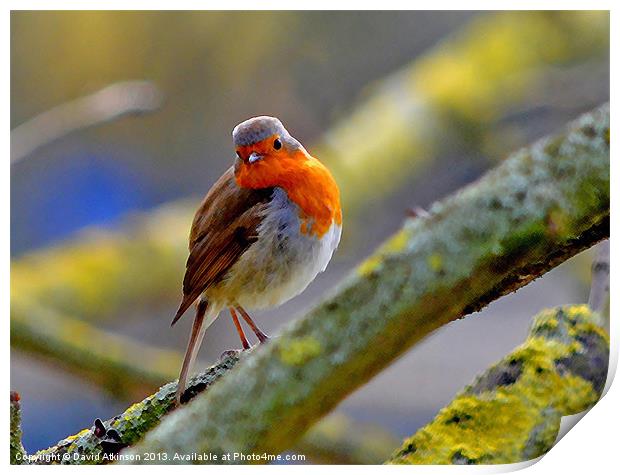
(256, 129)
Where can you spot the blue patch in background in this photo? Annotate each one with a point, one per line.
(64, 195)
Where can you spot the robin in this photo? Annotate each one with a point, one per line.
(263, 232)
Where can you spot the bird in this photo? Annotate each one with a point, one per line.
(267, 227)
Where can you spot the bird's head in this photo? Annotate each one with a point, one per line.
(267, 155)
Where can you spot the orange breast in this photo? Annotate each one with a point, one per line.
(307, 182)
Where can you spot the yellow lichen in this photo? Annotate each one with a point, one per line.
(299, 350)
(396, 243)
(435, 262)
(134, 408)
(83, 432)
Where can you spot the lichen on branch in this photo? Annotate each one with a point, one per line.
(511, 413)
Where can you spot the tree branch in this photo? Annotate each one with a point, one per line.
(121, 365)
(560, 370)
(511, 413)
(540, 207)
(450, 92)
(17, 452)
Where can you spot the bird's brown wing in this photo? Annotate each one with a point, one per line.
(225, 225)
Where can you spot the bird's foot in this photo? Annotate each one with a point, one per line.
(110, 440)
(262, 338)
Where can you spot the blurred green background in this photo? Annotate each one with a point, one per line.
(405, 107)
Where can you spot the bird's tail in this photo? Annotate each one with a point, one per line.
(202, 321)
(187, 301)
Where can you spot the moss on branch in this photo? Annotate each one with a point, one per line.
(511, 413)
(541, 206)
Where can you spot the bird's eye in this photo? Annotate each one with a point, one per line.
(277, 144)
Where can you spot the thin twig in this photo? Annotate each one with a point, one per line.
(109, 103)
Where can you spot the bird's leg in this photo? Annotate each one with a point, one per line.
(257, 331)
(244, 340)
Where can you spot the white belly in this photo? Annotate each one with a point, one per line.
(280, 264)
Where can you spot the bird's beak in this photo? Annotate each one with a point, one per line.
(254, 157)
